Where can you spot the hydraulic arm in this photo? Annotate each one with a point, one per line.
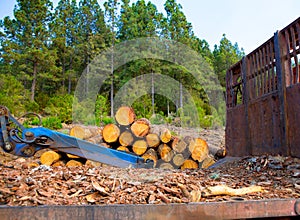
(21, 141)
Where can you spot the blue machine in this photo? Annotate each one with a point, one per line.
(21, 141)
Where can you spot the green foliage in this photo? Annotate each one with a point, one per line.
(53, 123)
(44, 51)
(157, 119)
(225, 55)
(13, 94)
(60, 106)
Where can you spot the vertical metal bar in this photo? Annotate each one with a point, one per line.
(281, 95)
(246, 100)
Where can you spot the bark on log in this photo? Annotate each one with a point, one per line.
(199, 149)
(152, 140)
(125, 115)
(189, 164)
(139, 147)
(126, 138)
(141, 127)
(49, 157)
(111, 133)
(165, 152)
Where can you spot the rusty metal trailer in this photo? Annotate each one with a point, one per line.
(263, 98)
(269, 209)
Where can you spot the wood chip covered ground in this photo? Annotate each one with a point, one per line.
(24, 182)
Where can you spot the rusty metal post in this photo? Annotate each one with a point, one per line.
(246, 100)
(282, 95)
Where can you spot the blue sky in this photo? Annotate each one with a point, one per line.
(249, 23)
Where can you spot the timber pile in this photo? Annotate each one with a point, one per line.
(138, 136)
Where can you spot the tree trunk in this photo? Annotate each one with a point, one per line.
(33, 85)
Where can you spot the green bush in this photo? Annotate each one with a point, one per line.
(157, 119)
(60, 106)
(53, 123)
(13, 95)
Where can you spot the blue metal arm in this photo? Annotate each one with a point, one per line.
(75, 146)
(35, 139)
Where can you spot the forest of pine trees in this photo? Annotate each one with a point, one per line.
(44, 51)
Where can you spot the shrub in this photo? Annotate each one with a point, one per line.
(53, 123)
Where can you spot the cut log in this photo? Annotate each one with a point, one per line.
(152, 140)
(199, 149)
(139, 147)
(73, 163)
(165, 135)
(95, 139)
(125, 115)
(189, 164)
(81, 132)
(150, 154)
(221, 153)
(59, 163)
(178, 145)
(111, 133)
(225, 190)
(178, 160)
(123, 148)
(165, 165)
(105, 145)
(91, 163)
(32, 165)
(49, 157)
(71, 156)
(165, 152)
(141, 127)
(126, 138)
(207, 162)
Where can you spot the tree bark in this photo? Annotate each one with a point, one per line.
(33, 85)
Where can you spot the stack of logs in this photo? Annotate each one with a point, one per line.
(138, 136)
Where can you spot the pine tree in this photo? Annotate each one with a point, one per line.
(26, 44)
(64, 38)
(225, 55)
